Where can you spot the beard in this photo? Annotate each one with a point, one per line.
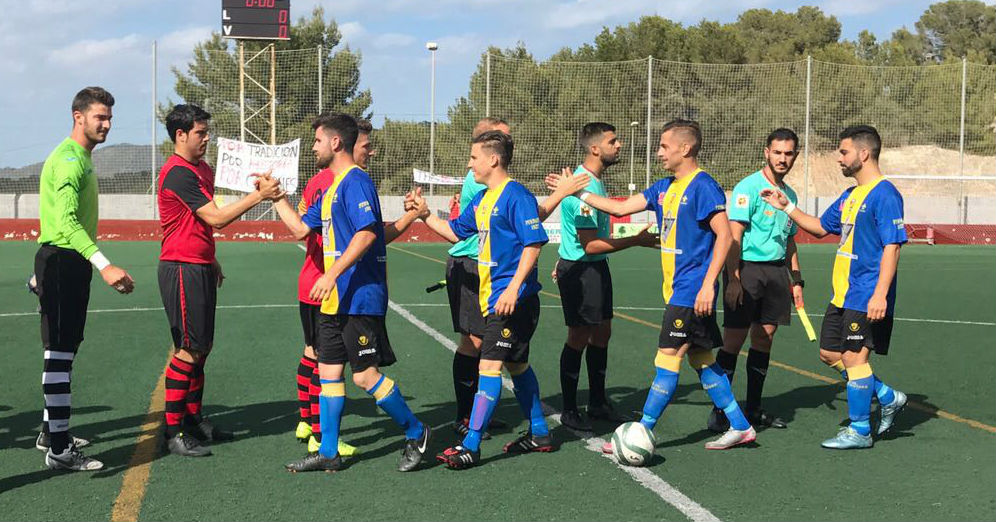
(849, 170)
(774, 168)
(609, 161)
(323, 161)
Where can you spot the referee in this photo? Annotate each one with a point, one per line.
(68, 215)
(758, 289)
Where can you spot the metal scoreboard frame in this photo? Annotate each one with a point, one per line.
(255, 19)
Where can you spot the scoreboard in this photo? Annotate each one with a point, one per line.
(255, 19)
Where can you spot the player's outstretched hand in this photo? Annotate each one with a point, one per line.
(775, 198)
(797, 296)
(647, 238)
(876, 307)
(322, 288)
(410, 200)
(118, 279)
(421, 206)
(553, 274)
(506, 302)
(566, 183)
(733, 292)
(269, 187)
(704, 300)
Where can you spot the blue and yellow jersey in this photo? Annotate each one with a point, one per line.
(505, 220)
(866, 217)
(683, 208)
(349, 205)
(467, 247)
(577, 215)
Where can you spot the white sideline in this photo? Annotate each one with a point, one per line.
(643, 476)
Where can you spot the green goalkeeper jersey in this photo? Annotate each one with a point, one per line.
(67, 205)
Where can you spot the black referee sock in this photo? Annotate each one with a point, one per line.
(728, 362)
(597, 360)
(465, 375)
(757, 370)
(570, 372)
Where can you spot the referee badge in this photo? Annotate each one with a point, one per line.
(363, 340)
(743, 201)
(679, 324)
(855, 327)
(506, 333)
(585, 211)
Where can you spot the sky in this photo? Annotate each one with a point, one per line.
(49, 49)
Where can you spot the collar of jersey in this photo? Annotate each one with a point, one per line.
(685, 181)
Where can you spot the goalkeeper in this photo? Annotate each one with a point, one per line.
(762, 276)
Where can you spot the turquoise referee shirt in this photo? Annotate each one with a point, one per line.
(768, 229)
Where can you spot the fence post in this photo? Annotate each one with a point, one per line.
(487, 85)
(152, 170)
(320, 108)
(961, 139)
(650, 103)
(805, 149)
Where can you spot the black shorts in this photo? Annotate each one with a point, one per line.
(680, 325)
(585, 291)
(506, 338)
(63, 281)
(767, 295)
(190, 296)
(463, 289)
(847, 330)
(309, 322)
(359, 339)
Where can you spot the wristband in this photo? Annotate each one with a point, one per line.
(99, 261)
(789, 208)
(584, 196)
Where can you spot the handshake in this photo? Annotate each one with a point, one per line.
(415, 202)
(268, 187)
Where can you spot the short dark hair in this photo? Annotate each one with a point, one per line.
(783, 134)
(498, 143)
(183, 117)
(593, 131)
(340, 124)
(364, 127)
(689, 128)
(865, 135)
(89, 96)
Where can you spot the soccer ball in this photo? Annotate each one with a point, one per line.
(633, 444)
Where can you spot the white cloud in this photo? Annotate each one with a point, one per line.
(83, 53)
(175, 48)
(352, 32)
(856, 7)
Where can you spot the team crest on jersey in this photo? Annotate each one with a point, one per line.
(506, 333)
(684, 200)
(855, 327)
(679, 324)
(660, 198)
(363, 340)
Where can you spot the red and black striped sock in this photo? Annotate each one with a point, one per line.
(305, 369)
(196, 393)
(178, 377)
(314, 391)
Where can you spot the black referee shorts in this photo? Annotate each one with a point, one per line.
(63, 278)
(585, 291)
(463, 290)
(767, 295)
(190, 296)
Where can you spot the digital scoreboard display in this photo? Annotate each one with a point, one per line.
(256, 19)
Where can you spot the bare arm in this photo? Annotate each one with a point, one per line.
(806, 222)
(733, 291)
(358, 246)
(604, 245)
(878, 303)
(291, 218)
(720, 226)
(221, 217)
(630, 205)
(792, 253)
(566, 186)
(394, 230)
(441, 227)
(527, 261)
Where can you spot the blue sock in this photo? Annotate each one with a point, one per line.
(527, 393)
(860, 387)
(331, 402)
(390, 400)
(716, 384)
(485, 401)
(884, 392)
(661, 390)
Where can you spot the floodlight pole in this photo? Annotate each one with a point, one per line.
(154, 124)
(650, 103)
(805, 147)
(632, 154)
(242, 91)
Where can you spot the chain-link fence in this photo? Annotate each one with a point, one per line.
(937, 122)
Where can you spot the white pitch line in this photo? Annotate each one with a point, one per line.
(693, 510)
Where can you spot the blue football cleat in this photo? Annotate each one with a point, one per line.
(847, 438)
(889, 412)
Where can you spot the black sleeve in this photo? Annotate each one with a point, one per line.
(184, 183)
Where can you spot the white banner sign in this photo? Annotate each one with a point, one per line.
(238, 161)
(428, 178)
